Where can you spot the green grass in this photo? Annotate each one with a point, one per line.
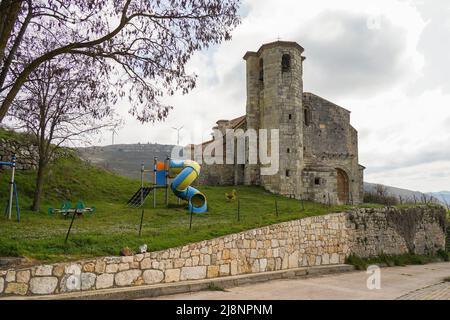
(41, 236)
(20, 137)
(396, 260)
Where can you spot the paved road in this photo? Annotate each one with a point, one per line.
(440, 291)
(411, 282)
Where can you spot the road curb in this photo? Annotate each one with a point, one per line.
(151, 291)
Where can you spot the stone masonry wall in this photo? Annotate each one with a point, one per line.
(27, 154)
(330, 140)
(390, 231)
(312, 241)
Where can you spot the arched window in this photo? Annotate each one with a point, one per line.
(261, 70)
(307, 116)
(285, 63)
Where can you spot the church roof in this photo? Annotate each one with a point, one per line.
(231, 124)
(274, 44)
(236, 122)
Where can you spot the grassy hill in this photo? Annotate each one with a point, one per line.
(41, 236)
(69, 178)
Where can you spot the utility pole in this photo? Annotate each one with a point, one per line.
(178, 134)
(114, 132)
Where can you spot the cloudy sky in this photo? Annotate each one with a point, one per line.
(387, 61)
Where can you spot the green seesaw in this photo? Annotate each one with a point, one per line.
(66, 209)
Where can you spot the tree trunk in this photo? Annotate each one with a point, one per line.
(9, 13)
(39, 185)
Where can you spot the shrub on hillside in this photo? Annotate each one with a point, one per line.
(373, 197)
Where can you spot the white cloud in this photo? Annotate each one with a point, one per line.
(433, 174)
(390, 82)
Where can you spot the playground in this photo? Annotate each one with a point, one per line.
(115, 225)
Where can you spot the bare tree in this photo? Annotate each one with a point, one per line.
(447, 205)
(380, 195)
(138, 47)
(60, 104)
(381, 190)
(423, 198)
(427, 200)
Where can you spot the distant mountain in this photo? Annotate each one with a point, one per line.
(125, 159)
(443, 196)
(409, 194)
(404, 193)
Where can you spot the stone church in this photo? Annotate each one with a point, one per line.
(318, 146)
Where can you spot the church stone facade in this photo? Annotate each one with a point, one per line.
(318, 147)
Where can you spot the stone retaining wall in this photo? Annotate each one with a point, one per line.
(419, 230)
(27, 153)
(313, 241)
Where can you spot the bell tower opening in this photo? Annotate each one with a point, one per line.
(306, 116)
(261, 70)
(286, 63)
